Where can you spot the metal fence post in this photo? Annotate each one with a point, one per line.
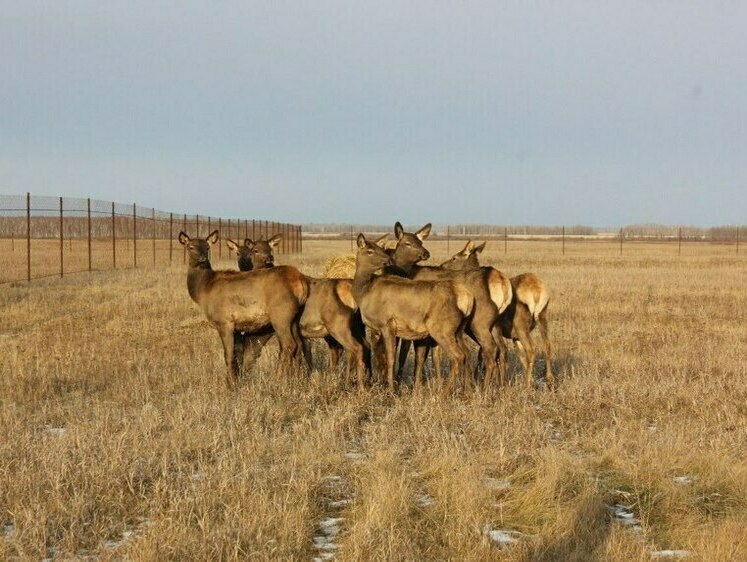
(62, 242)
(134, 234)
(184, 248)
(198, 226)
(171, 237)
(448, 240)
(563, 238)
(679, 240)
(90, 266)
(28, 236)
(153, 218)
(254, 236)
(114, 239)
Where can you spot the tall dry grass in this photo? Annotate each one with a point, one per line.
(119, 440)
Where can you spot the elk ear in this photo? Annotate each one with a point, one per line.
(423, 233)
(380, 241)
(183, 238)
(275, 240)
(480, 248)
(233, 246)
(249, 243)
(468, 248)
(361, 241)
(399, 232)
(213, 237)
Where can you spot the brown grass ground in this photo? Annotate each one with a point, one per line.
(119, 440)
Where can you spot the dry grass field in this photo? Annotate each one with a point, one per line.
(119, 440)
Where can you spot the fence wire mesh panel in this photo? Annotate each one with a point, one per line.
(43, 236)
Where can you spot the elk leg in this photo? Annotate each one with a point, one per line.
(390, 347)
(404, 350)
(283, 324)
(421, 353)
(355, 350)
(525, 350)
(454, 351)
(438, 362)
(227, 338)
(488, 352)
(545, 332)
(335, 351)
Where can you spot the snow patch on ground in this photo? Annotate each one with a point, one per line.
(623, 514)
(497, 483)
(684, 480)
(670, 554)
(502, 538)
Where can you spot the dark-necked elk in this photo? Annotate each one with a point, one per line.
(392, 306)
(491, 290)
(330, 311)
(528, 308)
(249, 302)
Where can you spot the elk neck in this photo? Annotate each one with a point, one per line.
(200, 272)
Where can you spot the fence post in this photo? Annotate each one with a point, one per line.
(198, 226)
(505, 239)
(563, 238)
(254, 236)
(90, 267)
(184, 248)
(62, 242)
(28, 236)
(114, 239)
(134, 234)
(220, 229)
(679, 240)
(153, 218)
(171, 237)
(246, 228)
(621, 241)
(351, 237)
(300, 236)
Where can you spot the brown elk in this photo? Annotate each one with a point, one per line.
(250, 302)
(330, 311)
(491, 289)
(255, 255)
(393, 306)
(528, 309)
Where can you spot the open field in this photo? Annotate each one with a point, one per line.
(121, 442)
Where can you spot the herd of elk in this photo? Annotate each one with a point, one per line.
(330, 311)
(391, 296)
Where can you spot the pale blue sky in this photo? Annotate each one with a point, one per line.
(465, 112)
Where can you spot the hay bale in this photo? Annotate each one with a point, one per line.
(340, 267)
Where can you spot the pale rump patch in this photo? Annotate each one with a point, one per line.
(531, 291)
(500, 289)
(465, 300)
(344, 290)
(300, 289)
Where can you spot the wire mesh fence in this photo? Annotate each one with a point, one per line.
(44, 236)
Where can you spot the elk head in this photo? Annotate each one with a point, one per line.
(199, 248)
(244, 254)
(466, 259)
(410, 248)
(261, 251)
(371, 257)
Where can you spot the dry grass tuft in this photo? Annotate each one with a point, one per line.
(340, 267)
(121, 442)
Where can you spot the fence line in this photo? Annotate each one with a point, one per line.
(70, 235)
(727, 237)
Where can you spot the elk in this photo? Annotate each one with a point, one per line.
(393, 306)
(528, 308)
(330, 311)
(491, 290)
(255, 255)
(250, 302)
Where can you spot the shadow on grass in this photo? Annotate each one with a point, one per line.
(583, 541)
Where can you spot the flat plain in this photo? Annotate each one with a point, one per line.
(119, 440)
